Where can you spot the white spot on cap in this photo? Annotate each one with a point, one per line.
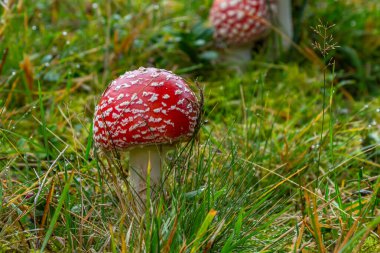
(135, 136)
(240, 15)
(157, 84)
(157, 110)
(134, 97)
(121, 95)
(151, 119)
(115, 115)
(153, 98)
(169, 122)
(223, 5)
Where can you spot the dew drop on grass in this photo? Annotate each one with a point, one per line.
(95, 5)
(64, 33)
(316, 146)
(378, 110)
(34, 28)
(366, 106)
(67, 42)
(13, 73)
(47, 64)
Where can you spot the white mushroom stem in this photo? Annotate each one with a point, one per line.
(285, 21)
(139, 159)
(238, 56)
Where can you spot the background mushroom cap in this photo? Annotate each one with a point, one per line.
(239, 22)
(144, 107)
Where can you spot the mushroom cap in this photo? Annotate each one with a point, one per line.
(239, 22)
(145, 107)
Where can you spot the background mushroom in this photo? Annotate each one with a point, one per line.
(239, 23)
(145, 111)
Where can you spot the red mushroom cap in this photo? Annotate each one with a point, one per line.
(144, 107)
(239, 22)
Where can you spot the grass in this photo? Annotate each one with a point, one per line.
(287, 158)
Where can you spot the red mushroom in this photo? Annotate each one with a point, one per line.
(145, 111)
(238, 23)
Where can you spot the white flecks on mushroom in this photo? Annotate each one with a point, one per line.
(153, 98)
(141, 108)
(178, 92)
(169, 122)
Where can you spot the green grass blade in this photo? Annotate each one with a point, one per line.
(203, 229)
(57, 211)
(43, 119)
(89, 142)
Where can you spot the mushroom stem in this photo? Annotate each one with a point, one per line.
(238, 55)
(285, 21)
(139, 159)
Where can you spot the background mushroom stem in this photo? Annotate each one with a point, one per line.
(285, 21)
(138, 161)
(238, 55)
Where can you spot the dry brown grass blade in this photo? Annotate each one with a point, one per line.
(285, 179)
(298, 238)
(6, 11)
(318, 227)
(3, 59)
(171, 236)
(126, 43)
(122, 236)
(184, 246)
(9, 97)
(27, 67)
(54, 11)
(20, 5)
(315, 227)
(47, 205)
(348, 236)
(312, 123)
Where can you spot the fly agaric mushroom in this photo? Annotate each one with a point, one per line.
(146, 112)
(238, 23)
